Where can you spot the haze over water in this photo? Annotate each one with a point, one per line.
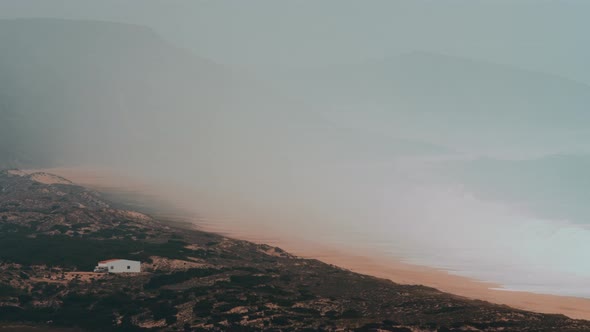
(450, 135)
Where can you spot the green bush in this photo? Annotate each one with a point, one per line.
(203, 308)
(7, 290)
(249, 281)
(162, 310)
(178, 277)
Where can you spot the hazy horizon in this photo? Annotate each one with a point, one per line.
(546, 36)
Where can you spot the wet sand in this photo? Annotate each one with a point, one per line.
(177, 206)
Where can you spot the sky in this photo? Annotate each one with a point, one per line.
(548, 36)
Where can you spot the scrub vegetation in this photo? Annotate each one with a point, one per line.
(52, 234)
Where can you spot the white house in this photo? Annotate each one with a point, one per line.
(118, 266)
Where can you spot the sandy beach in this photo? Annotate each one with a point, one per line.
(365, 262)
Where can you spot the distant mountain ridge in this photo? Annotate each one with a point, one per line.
(62, 81)
(115, 89)
(454, 101)
(86, 91)
(554, 187)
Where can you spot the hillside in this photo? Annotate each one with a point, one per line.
(53, 233)
(69, 87)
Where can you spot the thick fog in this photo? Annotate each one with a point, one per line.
(442, 152)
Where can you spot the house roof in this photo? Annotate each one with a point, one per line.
(117, 259)
(109, 260)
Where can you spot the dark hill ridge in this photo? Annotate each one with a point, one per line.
(193, 280)
(112, 84)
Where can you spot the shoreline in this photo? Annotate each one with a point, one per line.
(360, 261)
(405, 273)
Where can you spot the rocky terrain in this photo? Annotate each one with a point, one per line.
(52, 233)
